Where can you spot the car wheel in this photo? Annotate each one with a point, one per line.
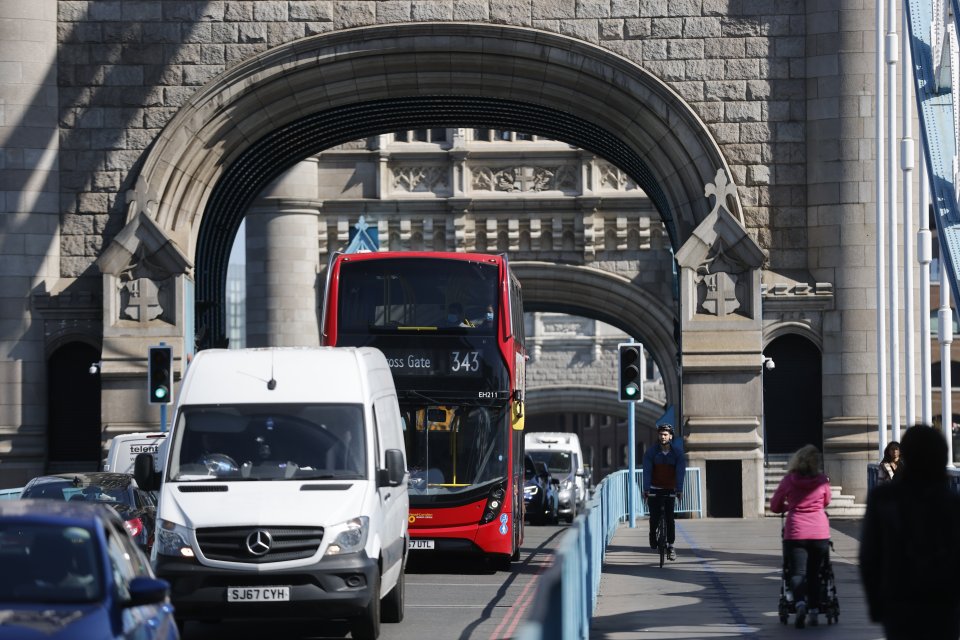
(367, 625)
(391, 607)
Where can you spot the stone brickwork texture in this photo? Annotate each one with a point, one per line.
(783, 87)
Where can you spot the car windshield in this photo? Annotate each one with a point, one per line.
(114, 491)
(269, 442)
(558, 462)
(450, 449)
(49, 564)
(529, 470)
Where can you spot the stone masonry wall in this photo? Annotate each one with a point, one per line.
(125, 67)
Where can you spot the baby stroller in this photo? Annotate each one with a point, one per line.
(829, 605)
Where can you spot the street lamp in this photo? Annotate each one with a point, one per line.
(767, 364)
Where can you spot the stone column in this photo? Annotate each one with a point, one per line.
(841, 203)
(29, 211)
(283, 260)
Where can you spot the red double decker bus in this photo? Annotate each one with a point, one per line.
(451, 327)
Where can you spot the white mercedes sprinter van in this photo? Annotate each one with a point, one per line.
(284, 489)
(561, 453)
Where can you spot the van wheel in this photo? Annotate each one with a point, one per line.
(391, 607)
(367, 625)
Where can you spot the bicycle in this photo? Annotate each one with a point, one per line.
(662, 524)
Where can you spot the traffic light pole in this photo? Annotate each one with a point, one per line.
(630, 371)
(632, 463)
(163, 418)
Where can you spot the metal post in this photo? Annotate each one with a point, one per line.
(632, 461)
(893, 277)
(163, 407)
(879, 148)
(945, 322)
(925, 257)
(906, 166)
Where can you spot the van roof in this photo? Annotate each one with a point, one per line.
(546, 438)
(279, 375)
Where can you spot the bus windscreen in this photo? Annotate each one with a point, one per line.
(399, 295)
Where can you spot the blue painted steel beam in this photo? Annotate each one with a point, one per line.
(938, 136)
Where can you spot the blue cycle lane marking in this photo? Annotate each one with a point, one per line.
(714, 575)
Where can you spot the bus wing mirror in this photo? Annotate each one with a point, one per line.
(395, 470)
(144, 472)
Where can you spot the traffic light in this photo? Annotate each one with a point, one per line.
(630, 366)
(160, 375)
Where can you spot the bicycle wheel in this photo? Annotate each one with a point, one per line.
(662, 538)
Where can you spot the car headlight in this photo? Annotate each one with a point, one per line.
(173, 540)
(566, 485)
(530, 491)
(352, 536)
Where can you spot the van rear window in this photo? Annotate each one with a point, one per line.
(269, 442)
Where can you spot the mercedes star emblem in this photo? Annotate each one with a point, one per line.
(259, 542)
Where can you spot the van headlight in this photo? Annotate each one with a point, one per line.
(351, 536)
(173, 540)
(567, 484)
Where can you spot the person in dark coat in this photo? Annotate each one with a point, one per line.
(910, 545)
(890, 465)
(664, 469)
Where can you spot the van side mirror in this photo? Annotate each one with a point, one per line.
(393, 475)
(144, 473)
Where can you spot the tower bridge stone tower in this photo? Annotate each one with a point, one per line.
(138, 134)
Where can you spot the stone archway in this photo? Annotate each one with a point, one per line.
(73, 437)
(587, 292)
(792, 393)
(259, 118)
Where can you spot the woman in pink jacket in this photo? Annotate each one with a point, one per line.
(804, 494)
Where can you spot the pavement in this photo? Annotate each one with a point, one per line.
(725, 583)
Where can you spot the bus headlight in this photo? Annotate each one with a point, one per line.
(351, 538)
(173, 540)
(494, 504)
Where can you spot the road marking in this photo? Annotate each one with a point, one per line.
(517, 610)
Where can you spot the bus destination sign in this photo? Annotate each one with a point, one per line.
(430, 362)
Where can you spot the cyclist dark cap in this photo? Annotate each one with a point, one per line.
(666, 427)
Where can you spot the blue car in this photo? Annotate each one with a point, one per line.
(71, 570)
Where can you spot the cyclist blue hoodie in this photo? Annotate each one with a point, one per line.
(656, 462)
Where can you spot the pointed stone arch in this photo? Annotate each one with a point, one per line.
(592, 293)
(257, 119)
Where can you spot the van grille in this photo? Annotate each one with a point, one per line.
(233, 544)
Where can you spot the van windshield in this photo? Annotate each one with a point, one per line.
(558, 462)
(269, 442)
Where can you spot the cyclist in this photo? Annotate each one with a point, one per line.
(664, 466)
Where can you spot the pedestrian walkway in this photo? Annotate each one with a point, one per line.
(725, 583)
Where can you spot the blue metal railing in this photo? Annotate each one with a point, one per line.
(567, 592)
(873, 474)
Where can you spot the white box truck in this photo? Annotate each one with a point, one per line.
(284, 490)
(561, 453)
